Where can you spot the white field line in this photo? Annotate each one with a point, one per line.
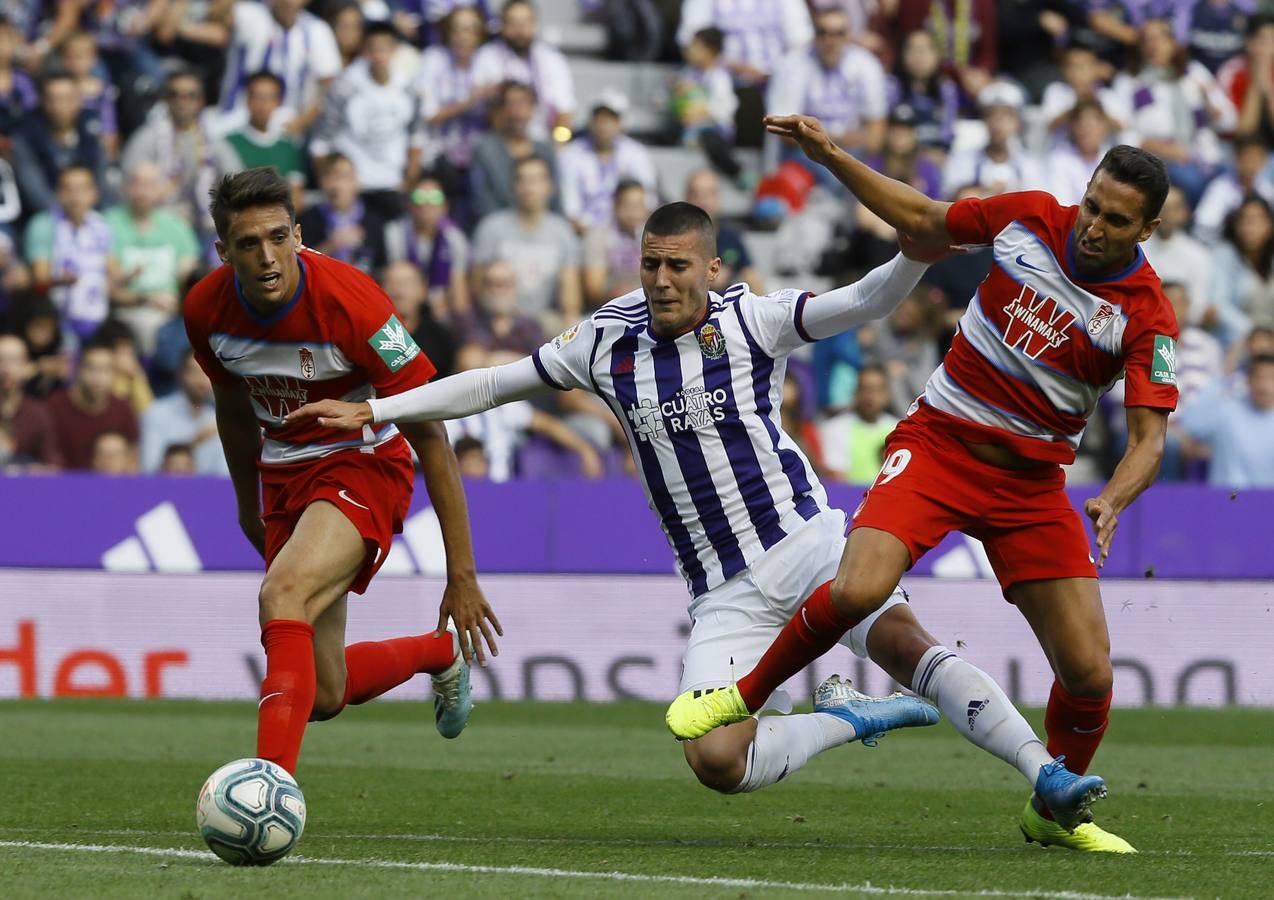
(574, 874)
(622, 842)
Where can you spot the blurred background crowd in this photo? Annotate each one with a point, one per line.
(492, 164)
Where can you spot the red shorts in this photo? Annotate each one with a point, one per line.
(373, 490)
(931, 485)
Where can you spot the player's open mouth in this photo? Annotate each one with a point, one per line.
(1088, 249)
(271, 280)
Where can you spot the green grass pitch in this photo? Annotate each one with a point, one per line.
(564, 800)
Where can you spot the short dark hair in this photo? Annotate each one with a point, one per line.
(522, 161)
(1139, 169)
(712, 38)
(681, 217)
(627, 184)
(509, 4)
(266, 75)
(178, 450)
(509, 86)
(1257, 22)
(1261, 359)
(381, 27)
(75, 167)
(98, 341)
(262, 186)
(55, 73)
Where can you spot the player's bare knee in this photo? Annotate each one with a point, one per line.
(283, 597)
(858, 597)
(718, 764)
(1089, 678)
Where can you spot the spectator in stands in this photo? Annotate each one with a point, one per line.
(57, 135)
(179, 459)
(370, 116)
(495, 324)
(1212, 30)
(435, 13)
(1028, 34)
(758, 34)
(18, 95)
(1226, 191)
(703, 189)
(1179, 256)
(1248, 80)
(1243, 270)
(593, 165)
(919, 82)
(1109, 27)
(185, 417)
(904, 345)
(1070, 166)
(87, 408)
(503, 430)
(1200, 359)
(177, 136)
(262, 140)
(341, 225)
(283, 37)
(797, 421)
(539, 244)
(425, 316)
(113, 454)
(35, 320)
(1002, 165)
(703, 102)
(98, 95)
(69, 249)
(156, 251)
(131, 383)
(612, 252)
(964, 33)
(854, 441)
(428, 239)
(498, 151)
(839, 83)
(1081, 80)
(24, 417)
(347, 24)
(1235, 432)
(452, 106)
(1178, 108)
(471, 459)
(518, 55)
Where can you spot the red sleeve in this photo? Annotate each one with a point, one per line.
(974, 221)
(195, 315)
(1150, 356)
(378, 342)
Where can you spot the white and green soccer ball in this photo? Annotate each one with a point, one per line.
(251, 812)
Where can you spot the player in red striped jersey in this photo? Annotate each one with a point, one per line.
(276, 326)
(1070, 305)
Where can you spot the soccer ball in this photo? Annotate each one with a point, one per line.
(251, 812)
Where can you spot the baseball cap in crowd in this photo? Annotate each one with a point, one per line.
(902, 114)
(612, 100)
(1002, 93)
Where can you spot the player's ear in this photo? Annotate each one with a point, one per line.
(714, 269)
(296, 234)
(1148, 229)
(221, 250)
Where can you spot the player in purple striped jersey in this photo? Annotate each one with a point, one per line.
(696, 379)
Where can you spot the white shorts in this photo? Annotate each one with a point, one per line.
(735, 622)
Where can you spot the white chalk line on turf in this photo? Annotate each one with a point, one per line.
(576, 874)
(633, 842)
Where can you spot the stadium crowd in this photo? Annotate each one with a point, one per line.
(439, 145)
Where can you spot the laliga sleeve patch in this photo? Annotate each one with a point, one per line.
(1163, 364)
(566, 336)
(394, 344)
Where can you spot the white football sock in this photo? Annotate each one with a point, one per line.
(979, 710)
(785, 743)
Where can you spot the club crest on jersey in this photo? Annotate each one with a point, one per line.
(394, 344)
(1101, 319)
(1036, 323)
(711, 342)
(307, 362)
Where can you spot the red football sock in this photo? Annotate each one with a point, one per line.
(287, 692)
(374, 667)
(814, 630)
(1075, 726)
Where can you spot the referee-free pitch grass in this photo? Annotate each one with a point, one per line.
(569, 800)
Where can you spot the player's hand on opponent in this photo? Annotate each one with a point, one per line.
(332, 414)
(1105, 521)
(808, 133)
(925, 251)
(474, 619)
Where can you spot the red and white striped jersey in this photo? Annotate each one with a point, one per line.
(1040, 343)
(338, 338)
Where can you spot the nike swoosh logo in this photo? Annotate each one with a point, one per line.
(226, 359)
(268, 696)
(1025, 265)
(1088, 730)
(348, 499)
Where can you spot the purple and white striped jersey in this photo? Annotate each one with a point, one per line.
(701, 412)
(757, 32)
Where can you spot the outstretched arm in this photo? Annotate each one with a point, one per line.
(450, 398)
(901, 205)
(1147, 428)
(874, 296)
